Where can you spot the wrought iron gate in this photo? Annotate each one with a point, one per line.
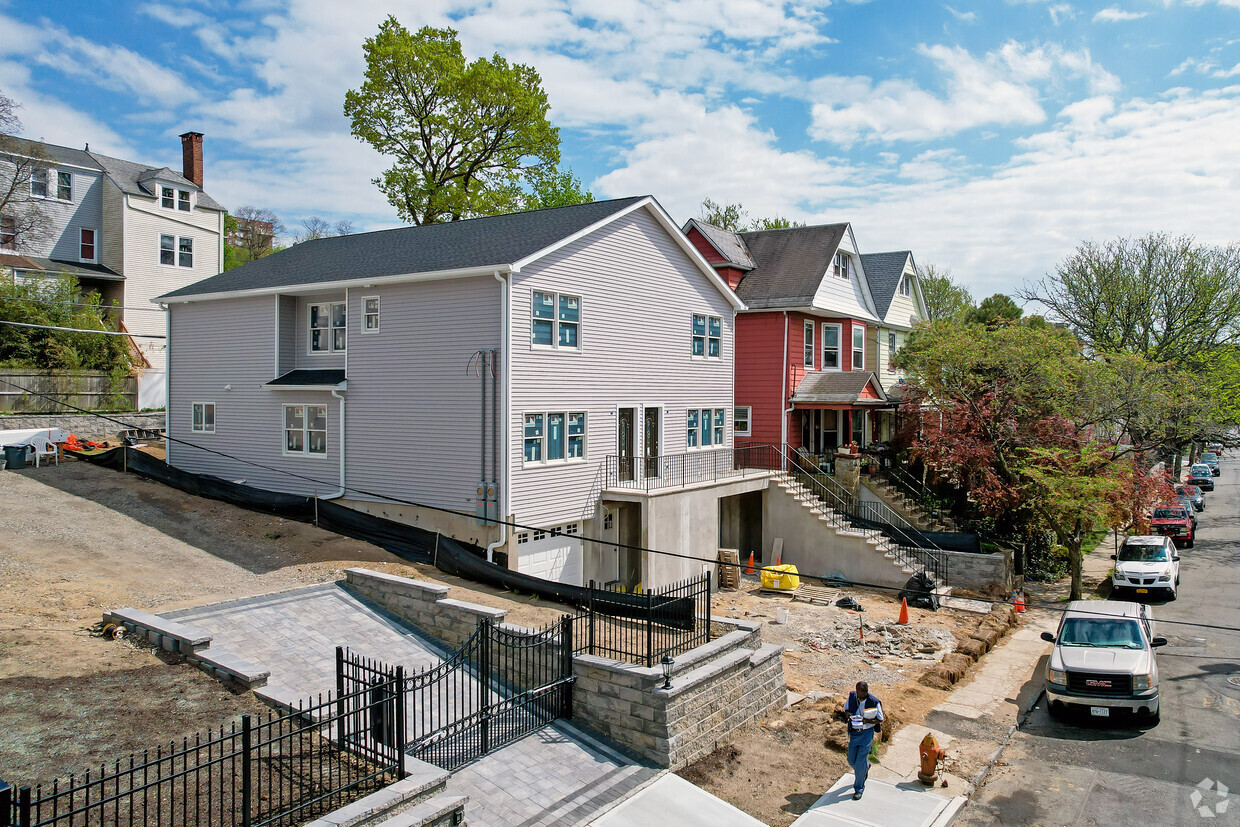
(501, 684)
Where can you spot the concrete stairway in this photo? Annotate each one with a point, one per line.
(906, 506)
(860, 547)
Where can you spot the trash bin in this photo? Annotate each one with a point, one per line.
(15, 456)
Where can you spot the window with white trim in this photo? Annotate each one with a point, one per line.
(858, 346)
(809, 345)
(305, 429)
(370, 314)
(841, 266)
(555, 436)
(174, 251)
(38, 182)
(891, 348)
(167, 198)
(906, 285)
(707, 335)
(327, 327)
(203, 421)
(64, 186)
(183, 200)
(185, 252)
(704, 427)
(740, 420)
(86, 244)
(555, 320)
(830, 346)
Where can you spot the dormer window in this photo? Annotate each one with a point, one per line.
(841, 266)
(171, 198)
(183, 200)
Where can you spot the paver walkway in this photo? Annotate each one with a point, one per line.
(558, 775)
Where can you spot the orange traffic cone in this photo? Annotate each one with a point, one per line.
(1020, 602)
(903, 621)
(749, 568)
(779, 558)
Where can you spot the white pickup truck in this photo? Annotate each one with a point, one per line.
(1103, 660)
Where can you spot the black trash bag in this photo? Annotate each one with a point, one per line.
(919, 592)
(836, 578)
(850, 604)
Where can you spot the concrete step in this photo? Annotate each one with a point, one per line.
(433, 811)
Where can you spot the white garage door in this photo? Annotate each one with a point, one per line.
(552, 555)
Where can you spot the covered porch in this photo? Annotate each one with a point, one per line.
(831, 409)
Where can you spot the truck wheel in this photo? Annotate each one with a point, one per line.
(1155, 718)
(1190, 542)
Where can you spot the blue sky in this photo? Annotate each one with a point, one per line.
(990, 137)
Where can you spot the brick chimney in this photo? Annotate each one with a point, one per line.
(191, 156)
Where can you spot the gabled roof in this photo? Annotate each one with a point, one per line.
(790, 264)
(727, 243)
(48, 265)
(834, 387)
(884, 271)
(55, 153)
(476, 246)
(133, 179)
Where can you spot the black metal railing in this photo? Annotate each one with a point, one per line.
(677, 470)
(914, 489)
(502, 684)
(643, 628)
(275, 769)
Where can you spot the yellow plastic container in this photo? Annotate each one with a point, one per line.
(783, 577)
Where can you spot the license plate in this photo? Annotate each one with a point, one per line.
(1100, 711)
(1143, 591)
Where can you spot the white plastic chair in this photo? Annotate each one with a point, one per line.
(44, 448)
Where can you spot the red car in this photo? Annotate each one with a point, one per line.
(1175, 522)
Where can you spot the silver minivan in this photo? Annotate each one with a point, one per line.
(1103, 661)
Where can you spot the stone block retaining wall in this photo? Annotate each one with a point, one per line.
(84, 426)
(425, 605)
(979, 572)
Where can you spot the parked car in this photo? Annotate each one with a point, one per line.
(1187, 502)
(1201, 476)
(1194, 495)
(1216, 448)
(1103, 660)
(1146, 563)
(1176, 522)
(1212, 461)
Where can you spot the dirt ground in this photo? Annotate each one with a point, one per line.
(777, 769)
(76, 540)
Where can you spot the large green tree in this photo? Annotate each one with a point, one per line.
(1018, 415)
(944, 297)
(462, 135)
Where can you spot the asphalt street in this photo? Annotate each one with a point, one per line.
(1119, 772)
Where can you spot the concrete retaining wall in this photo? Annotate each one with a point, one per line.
(716, 689)
(86, 427)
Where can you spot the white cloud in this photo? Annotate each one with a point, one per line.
(1001, 87)
(1060, 12)
(1115, 14)
(965, 16)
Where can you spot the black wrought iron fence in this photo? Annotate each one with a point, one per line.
(643, 628)
(275, 769)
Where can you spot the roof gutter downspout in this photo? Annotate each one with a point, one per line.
(783, 389)
(502, 499)
(336, 393)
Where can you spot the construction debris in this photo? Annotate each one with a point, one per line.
(879, 639)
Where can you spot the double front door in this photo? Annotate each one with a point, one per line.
(626, 440)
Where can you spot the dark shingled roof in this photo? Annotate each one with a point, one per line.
(77, 268)
(132, 178)
(309, 377)
(477, 242)
(55, 153)
(838, 388)
(791, 264)
(728, 243)
(883, 272)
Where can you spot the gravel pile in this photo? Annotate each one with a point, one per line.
(882, 639)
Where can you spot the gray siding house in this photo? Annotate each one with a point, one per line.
(569, 369)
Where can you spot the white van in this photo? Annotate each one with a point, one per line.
(1103, 660)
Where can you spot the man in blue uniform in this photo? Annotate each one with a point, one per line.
(865, 717)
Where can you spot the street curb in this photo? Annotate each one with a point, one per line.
(977, 779)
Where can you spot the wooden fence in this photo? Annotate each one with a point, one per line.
(92, 391)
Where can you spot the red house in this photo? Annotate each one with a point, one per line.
(801, 376)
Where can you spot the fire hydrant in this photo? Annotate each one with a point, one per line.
(931, 754)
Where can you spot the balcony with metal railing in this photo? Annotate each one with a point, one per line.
(694, 468)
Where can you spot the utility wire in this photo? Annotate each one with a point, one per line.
(513, 524)
(81, 304)
(82, 330)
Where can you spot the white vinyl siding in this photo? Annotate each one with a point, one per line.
(618, 366)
